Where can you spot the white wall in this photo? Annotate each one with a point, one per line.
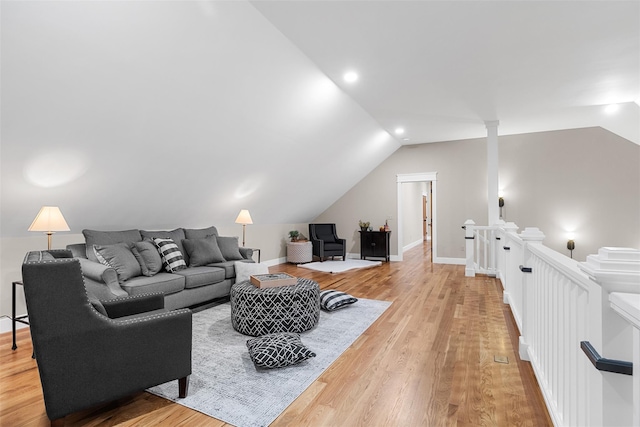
(588, 179)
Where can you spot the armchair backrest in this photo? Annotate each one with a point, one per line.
(324, 232)
(57, 301)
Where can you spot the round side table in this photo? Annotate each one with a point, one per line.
(299, 252)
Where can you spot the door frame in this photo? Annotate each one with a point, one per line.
(417, 177)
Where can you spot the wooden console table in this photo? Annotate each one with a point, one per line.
(374, 244)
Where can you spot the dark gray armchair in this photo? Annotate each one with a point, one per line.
(326, 242)
(87, 358)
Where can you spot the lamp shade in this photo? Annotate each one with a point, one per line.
(49, 219)
(244, 217)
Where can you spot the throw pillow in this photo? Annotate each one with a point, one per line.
(246, 269)
(120, 258)
(229, 248)
(202, 251)
(200, 233)
(278, 350)
(331, 300)
(97, 237)
(148, 257)
(172, 259)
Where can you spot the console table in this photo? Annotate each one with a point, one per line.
(14, 317)
(374, 244)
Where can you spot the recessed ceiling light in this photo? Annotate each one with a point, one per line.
(399, 131)
(611, 108)
(350, 76)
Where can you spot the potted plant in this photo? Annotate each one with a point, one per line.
(293, 235)
(364, 226)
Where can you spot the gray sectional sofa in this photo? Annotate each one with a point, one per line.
(131, 262)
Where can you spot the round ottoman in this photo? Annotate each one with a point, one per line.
(256, 311)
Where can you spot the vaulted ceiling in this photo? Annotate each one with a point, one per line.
(157, 114)
(440, 69)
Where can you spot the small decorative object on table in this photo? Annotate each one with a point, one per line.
(272, 280)
(364, 226)
(293, 235)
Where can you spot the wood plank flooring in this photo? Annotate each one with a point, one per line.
(429, 360)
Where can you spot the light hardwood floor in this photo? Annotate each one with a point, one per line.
(429, 360)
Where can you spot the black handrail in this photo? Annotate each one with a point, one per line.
(603, 364)
(526, 269)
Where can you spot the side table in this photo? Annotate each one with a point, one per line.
(15, 318)
(299, 252)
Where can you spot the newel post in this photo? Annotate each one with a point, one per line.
(613, 333)
(530, 236)
(470, 269)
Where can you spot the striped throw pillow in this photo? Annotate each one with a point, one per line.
(332, 300)
(172, 258)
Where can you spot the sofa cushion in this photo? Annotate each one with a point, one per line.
(176, 235)
(148, 257)
(230, 248)
(202, 251)
(97, 237)
(229, 267)
(172, 258)
(119, 257)
(166, 283)
(200, 233)
(246, 269)
(201, 276)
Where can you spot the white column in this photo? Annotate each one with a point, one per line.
(492, 171)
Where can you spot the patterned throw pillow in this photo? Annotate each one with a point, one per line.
(170, 253)
(278, 350)
(332, 300)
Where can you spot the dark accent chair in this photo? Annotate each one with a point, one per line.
(326, 242)
(85, 357)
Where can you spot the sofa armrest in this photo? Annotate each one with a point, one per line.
(247, 253)
(78, 250)
(130, 305)
(102, 274)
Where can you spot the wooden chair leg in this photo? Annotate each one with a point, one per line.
(183, 387)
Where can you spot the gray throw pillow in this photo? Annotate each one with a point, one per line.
(203, 251)
(97, 237)
(200, 233)
(120, 258)
(229, 247)
(148, 257)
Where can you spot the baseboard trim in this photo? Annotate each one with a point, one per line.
(454, 261)
(5, 325)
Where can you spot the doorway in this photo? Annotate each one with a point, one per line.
(430, 179)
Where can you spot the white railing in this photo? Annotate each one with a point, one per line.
(563, 311)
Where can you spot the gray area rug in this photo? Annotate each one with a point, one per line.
(225, 383)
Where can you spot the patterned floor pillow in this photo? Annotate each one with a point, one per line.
(278, 350)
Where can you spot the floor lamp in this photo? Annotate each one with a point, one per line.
(49, 220)
(244, 218)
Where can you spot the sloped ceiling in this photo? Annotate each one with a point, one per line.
(440, 69)
(158, 114)
(163, 114)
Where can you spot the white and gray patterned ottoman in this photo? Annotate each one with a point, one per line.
(256, 311)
